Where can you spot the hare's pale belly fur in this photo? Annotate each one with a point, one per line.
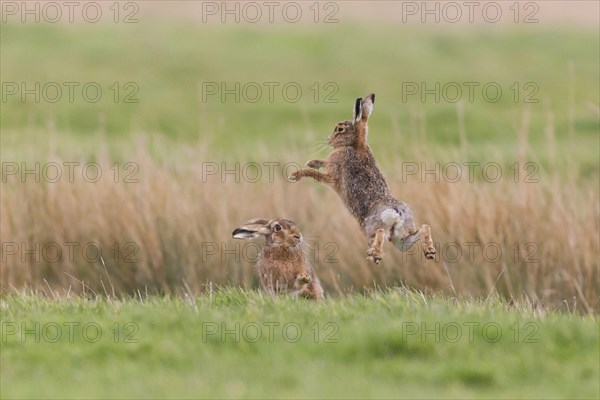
(366, 194)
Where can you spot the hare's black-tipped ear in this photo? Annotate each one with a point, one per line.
(252, 229)
(258, 221)
(367, 107)
(357, 112)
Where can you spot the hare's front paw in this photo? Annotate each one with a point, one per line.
(374, 256)
(302, 283)
(295, 176)
(429, 251)
(316, 164)
(303, 279)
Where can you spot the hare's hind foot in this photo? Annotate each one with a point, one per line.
(429, 252)
(374, 257)
(424, 233)
(427, 242)
(375, 253)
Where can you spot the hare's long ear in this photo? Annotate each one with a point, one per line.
(358, 109)
(367, 106)
(252, 229)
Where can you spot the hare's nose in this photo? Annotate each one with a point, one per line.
(298, 237)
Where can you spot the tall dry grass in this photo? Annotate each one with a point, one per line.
(180, 223)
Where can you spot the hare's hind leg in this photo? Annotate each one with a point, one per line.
(379, 227)
(271, 281)
(316, 290)
(426, 241)
(375, 252)
(309, 292)
(266, 283)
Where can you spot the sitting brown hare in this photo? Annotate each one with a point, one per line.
(351, 170)
(282, 265)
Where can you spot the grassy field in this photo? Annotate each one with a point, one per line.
(518, 323)
(175, 129)
(171, 71)
(392, 343)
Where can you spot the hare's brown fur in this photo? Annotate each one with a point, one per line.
(282, 266)
(352, 171)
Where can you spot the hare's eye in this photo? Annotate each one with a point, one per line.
(339, 129)
(277, 227)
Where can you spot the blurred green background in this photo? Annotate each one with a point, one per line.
(168, 62)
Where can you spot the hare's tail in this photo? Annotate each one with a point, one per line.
(395, 222)
(390, 217)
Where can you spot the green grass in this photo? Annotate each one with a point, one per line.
(367, 350)
(554, 355)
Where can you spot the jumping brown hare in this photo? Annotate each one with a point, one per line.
(351, 170)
